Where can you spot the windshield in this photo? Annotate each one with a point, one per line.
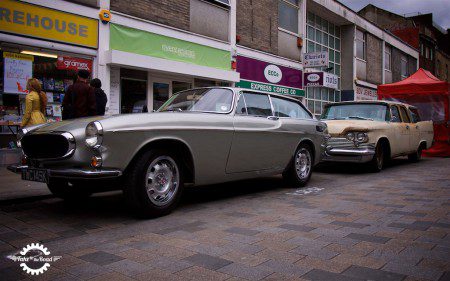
(357, 111)
(204, 100)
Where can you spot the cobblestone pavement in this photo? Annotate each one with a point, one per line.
(347, 224)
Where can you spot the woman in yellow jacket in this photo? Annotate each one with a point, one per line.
(35, 103)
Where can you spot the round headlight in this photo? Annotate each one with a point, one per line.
(350, 136)
(361, 137)
(94, 134)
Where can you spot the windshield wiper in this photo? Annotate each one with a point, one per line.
(360, 118)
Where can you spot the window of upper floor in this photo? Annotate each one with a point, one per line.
(404, 66)
(360, 44)
(388, 58)
(288, 15)
(210, 18)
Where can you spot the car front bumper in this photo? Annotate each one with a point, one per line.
(73, 173)
(342, 150)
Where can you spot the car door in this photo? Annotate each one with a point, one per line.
(256, 135)
(408, 128)
(401, 143)
(415, 127)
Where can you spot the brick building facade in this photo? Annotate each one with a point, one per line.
(420, 32)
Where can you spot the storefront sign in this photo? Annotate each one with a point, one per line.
(36, 21)
(73, 63)
(263, 76)
(315, 59)
(18, 69)
(363, 93)
(150, 44)
(321, 79)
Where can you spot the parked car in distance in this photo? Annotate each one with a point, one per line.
(198, 137)
(375, 131)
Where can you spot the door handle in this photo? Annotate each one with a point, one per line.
(273, 117)
(407, 127)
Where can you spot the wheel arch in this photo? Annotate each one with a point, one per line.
(387, 145)
(178, 146)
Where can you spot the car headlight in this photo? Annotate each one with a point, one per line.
(350, 136)
(20, 134)
(94, 134)
(362, 137)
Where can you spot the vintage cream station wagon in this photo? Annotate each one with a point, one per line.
(375, 131)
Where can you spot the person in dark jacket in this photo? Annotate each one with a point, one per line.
(100, 96)
(79, 100)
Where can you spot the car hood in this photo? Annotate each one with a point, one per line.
(341, 127)
(137, 121)
(68, 125)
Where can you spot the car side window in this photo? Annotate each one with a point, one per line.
(257, 104)
(404, 114)
(287, 108)
(395, 115)
(415, 117)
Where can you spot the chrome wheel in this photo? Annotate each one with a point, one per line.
(162, 180)
(303, 163)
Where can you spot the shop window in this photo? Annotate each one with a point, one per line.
(360, 41)
(289, 10)
(387, 58)
(160, 94)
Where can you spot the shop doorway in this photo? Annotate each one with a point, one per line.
(133, 91)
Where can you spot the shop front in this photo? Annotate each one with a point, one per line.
(268, 77)
(43, 43)
(147, 68)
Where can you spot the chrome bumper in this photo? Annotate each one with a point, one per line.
(71, 173)
(339, 150)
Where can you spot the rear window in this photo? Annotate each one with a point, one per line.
(287, 108)
(415, 117)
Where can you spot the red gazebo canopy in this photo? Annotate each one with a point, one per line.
(421, 82)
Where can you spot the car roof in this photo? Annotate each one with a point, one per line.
(385, 102)
(237, 89)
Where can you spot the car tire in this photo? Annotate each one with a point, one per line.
(300, 169)
(378, 160)
(63, 189)
(416, 156)
(154, 183)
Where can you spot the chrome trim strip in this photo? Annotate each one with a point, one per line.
(72, 173)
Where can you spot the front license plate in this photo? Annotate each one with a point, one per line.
(38, 175)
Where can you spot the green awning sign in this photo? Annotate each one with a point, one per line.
(270, 88)
(145, 43)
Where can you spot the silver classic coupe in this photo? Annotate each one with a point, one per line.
(198, 137)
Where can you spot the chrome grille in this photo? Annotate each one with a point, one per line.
(339, 142)
(48, 146)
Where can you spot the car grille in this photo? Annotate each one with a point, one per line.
(339, 142)
(47, 146)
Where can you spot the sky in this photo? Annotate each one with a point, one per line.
(439, 8)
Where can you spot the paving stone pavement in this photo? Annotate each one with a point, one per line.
(347, 224)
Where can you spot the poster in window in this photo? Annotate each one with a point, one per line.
(18, 69)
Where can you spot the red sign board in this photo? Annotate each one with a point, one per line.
(74, 63)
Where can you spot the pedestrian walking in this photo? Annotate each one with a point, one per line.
(79, 100)
(35, 104)
(100, 96)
